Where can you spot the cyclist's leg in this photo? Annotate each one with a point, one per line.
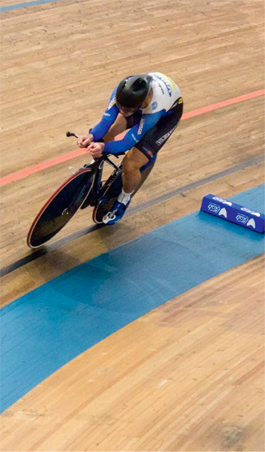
(131, 179)
(145, 151)
(131, 164)
(147, 148)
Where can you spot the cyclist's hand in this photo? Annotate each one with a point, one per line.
(84, 140)
(96, 149)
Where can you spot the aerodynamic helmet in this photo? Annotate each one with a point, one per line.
(132, 91)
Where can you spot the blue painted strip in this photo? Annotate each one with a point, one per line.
(25, 5)
(53, 324)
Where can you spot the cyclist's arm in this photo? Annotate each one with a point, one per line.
(133, 135)
(108, 118)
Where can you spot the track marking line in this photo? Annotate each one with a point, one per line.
(71, 155)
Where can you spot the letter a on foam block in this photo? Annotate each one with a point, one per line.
(233, 212)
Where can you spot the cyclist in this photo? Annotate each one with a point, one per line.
(150, 106)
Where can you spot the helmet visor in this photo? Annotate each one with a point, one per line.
(126, 110)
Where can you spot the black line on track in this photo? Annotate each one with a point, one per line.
(179, 191)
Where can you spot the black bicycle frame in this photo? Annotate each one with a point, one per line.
(97, 167)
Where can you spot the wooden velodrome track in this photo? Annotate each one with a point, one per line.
(189, 375)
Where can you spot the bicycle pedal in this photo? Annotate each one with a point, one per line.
(109, 216)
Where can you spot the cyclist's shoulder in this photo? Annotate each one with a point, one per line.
(160, 77)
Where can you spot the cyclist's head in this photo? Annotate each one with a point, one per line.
(132, 91)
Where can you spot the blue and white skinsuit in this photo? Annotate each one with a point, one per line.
(166, 101)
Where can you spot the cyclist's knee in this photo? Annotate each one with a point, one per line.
(134, 160)
(131, 165)
(128, 166)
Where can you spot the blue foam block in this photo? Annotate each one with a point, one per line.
(233, 212)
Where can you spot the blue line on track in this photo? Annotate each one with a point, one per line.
(25, 5)
(53, 324)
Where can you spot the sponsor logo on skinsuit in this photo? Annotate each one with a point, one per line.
(148, 151)
(166, 81)
(166, 136)
(161, 87)
(141, 126)
(112, 102)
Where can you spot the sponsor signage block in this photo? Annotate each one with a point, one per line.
(236, 213)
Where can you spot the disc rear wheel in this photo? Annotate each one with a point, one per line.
(60, 208)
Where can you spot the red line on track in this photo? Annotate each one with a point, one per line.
(225, 103)
(63, 158)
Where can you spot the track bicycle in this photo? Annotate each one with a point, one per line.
(84, 188)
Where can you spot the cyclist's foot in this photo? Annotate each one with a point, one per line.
(116, 212)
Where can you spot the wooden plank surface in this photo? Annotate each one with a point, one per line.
(189, 376)
(192, 378)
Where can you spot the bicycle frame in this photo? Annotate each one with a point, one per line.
(84, 188)
(97, 166)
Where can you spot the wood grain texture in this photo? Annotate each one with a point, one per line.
(189, 375)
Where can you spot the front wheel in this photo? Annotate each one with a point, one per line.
(61, 207)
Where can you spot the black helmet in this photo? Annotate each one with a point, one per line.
(132, 91)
